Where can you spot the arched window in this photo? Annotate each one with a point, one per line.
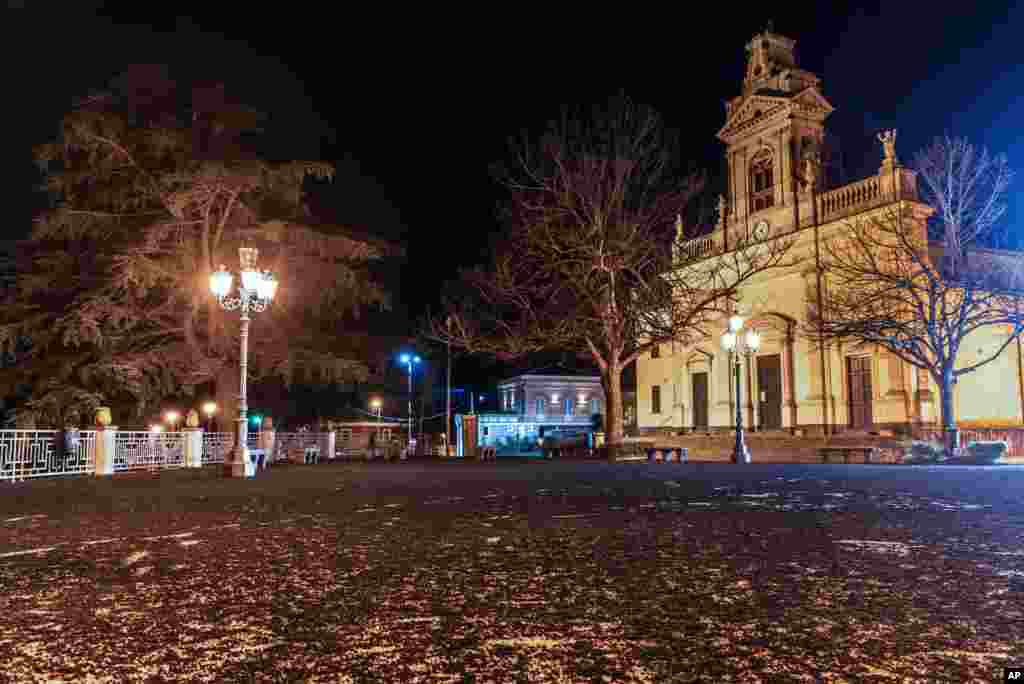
(762, 185)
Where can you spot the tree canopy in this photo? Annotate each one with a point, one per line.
(152, 186)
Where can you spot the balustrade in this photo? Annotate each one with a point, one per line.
(138, 449)
(216, 446)
(35, 453)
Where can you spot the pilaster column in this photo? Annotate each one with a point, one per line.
(193, 447)
(789, 379)
(266, 440)
(105, 445)
(325, 441)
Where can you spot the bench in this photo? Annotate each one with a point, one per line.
(304, 455)
(667, 454)
(846, 451)
(566, 450)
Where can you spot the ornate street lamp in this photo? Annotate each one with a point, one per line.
(737, 345)
(256, 292)
(409, 360)
(209, 408)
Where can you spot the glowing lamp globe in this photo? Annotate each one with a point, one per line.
(729, 341)
(220, 282)
(753, 340)
(251, 280)
(735, 323)
(266, 288)
(404, 358)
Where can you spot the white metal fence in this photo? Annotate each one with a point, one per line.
(36, 453)
(286, 441)
(135, 450)
(40, 453)
(216, 446)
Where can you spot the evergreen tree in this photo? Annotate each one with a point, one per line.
(153, 186)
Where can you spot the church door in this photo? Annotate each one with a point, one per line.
(700, 400)
(769, 384)
(858, 376)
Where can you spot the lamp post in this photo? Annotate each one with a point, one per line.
(737, 344)
(209, 408)
(409, 360)
(448, 395)
(377, 406)
(255, 293)
(172, 418)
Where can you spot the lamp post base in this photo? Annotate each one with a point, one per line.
(240, 464)
(740, 452)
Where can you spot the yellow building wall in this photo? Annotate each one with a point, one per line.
(779, 300)
(991, 392)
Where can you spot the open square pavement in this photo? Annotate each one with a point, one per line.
(516, 572)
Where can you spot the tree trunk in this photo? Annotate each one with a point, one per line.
(612, 380)
(950, 435)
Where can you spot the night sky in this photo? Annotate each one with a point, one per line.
(413, 105)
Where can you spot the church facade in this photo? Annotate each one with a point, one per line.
(773, 132)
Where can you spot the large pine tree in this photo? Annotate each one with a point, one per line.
(154, 185)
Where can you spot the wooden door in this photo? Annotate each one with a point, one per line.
(700, 400)
(769, 387)
(858, 382)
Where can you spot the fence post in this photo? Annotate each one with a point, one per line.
(106, 440)
(193, 447)
(325, 441)
(266, 440)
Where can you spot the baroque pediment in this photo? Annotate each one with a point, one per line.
(761, 108)
(757, 109)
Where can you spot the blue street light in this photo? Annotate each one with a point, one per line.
(408, 360)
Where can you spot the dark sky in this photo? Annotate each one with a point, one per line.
(414, 105)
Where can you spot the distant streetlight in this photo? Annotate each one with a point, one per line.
(172, 418)
(736, 345)
(255, 294)
(378, 406)
(156, 427)
(209, 408)
(409, 360)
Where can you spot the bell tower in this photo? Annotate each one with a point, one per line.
(773, 128)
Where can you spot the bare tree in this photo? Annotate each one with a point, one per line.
(586, 264)
(888, 285)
